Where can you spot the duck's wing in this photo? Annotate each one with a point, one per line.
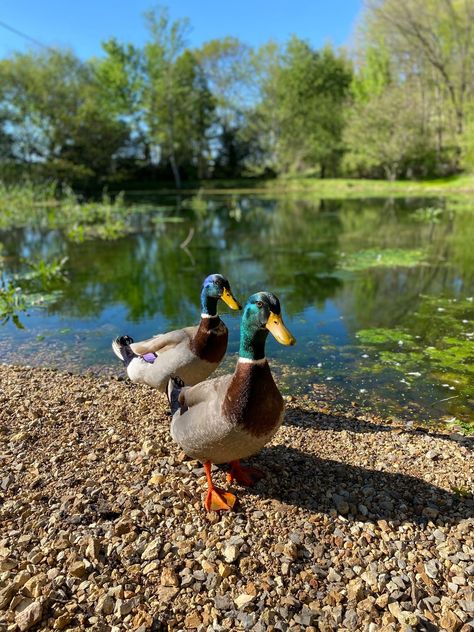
(205, 392)
(163, 342)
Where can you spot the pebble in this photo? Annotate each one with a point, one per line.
(30, 616)
(231, 553)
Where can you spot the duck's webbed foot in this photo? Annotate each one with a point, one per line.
(244, 475)
(217, 499)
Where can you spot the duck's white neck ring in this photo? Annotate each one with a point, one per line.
(209, 315)
(249, 361)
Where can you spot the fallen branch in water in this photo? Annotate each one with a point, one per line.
(438, 401)
(188, 239)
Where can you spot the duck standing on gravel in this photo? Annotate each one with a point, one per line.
(229, 418)
(191, 353)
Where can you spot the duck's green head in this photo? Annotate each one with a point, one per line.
(216, 287)
(262, 314)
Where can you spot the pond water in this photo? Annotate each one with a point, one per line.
(379, 293)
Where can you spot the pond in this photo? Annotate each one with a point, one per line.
(379, 293)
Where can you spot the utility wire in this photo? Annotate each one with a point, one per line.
(24, 35)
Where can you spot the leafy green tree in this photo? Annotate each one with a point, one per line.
(433, 34)
(51, 99)
(304, 98)
(120, 75)
(178, 104)
(227, 67)
(386, 133)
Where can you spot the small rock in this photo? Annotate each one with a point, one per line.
(30, 616)
(449, 621)
(222, 602)
(123, 608)
(431, 569)
(106, 604)
(152, 550)
(62, 621)
(355, 590)
(33, 586)
(150, 448)
(192, 621)
(224, 570)
(290, 550)
(93, 548)
(77, 569)
(430, 512)
(243, 600)
(150, 567)
(231, 552)
(169, 577)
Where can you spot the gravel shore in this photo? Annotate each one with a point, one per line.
(358, 525)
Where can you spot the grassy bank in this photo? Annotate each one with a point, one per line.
(346, 188)
(336, 188)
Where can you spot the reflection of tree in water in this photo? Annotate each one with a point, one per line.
(294, 244)
(387, 297)
(147, 273)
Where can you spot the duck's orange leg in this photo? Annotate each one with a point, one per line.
(244, 475)
(216, 499)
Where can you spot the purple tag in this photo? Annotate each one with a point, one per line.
(149, 357)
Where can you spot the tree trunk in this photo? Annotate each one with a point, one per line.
(175, 169)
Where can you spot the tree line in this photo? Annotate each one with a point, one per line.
(398, 105)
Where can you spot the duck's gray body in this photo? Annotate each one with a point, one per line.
(192, 353)
(231, 417)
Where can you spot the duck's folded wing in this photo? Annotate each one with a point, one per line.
(207, 391)
(163, 341)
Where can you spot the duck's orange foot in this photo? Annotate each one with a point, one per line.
(244, 475)
(219, 500)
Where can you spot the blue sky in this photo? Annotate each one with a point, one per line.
(82, 25)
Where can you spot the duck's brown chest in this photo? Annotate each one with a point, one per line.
(253, 400)
(210, 341)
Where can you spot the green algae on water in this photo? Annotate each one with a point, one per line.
(389, 257)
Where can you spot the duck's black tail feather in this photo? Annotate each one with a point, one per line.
(122, 349)
(175, 385)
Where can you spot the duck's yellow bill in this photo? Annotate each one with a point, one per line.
(230, 300)
(277, 328)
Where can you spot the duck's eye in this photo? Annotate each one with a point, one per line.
(259, 304)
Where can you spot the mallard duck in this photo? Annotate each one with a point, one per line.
(229, 418)
(192, 353)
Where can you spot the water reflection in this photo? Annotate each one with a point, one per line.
(146, 282)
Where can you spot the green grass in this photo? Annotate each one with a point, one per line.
(308, 185)
(351, 188)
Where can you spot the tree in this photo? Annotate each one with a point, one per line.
(438, 34)
(387, 133)
(54, 114)
(227, 67)
(120, 75)
(304, 97)
(177, 102)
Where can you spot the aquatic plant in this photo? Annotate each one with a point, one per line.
(12, 302)
(436, 341)
(376, 336)
(430, 214)
(45, 272)
(372, 258)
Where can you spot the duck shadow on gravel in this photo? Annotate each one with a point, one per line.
(306, 418)
(299, 479)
